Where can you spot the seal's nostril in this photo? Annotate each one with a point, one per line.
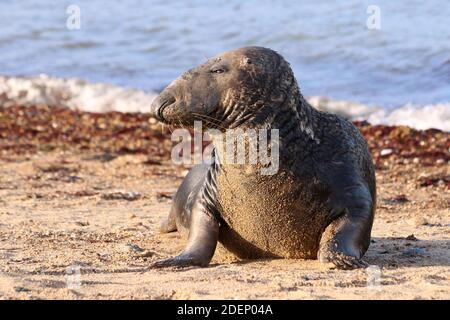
(160, 103)
(167, 102)
(159, 115)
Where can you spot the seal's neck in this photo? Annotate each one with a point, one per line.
(290, 113)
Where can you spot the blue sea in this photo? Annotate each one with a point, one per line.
(146, 44)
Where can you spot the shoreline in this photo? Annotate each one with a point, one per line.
(78, 94)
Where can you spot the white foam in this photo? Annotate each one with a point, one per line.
(420, 117)
(99, 97)
(72, 93)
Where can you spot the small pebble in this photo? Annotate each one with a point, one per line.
(131, 247)
(129, 196)
(411, 237)
(82, 223)
(420, 221)
(146, 253)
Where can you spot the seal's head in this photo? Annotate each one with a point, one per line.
(226, 91)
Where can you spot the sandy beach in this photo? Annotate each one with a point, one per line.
(82, 195)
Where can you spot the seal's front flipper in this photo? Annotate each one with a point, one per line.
(202, 241)
(347, 238)
(339, 244)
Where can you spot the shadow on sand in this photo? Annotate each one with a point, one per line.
(392, 252)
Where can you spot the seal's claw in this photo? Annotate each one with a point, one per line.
(343, 261)
(181, 261)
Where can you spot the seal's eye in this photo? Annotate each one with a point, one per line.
(217, 70)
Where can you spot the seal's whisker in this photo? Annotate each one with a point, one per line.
(215, 120)
(213, 124)
(209, 120)
(180, 122)
(170, 128)
(200, 117)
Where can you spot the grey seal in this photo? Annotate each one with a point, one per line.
(321, 202)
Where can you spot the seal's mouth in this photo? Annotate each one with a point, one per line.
(159, 104)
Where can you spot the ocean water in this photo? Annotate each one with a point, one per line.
(146, 44)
